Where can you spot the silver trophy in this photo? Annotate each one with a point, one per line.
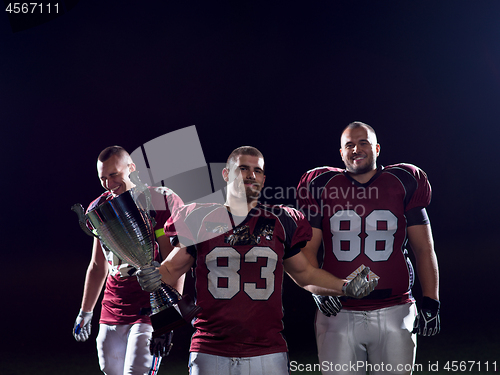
(125, 227)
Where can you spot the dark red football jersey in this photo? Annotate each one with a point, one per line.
(123, 297)
(239, 274)
(364, 225)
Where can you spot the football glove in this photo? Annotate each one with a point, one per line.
(427, 322)
(328, 305)
(360, 287)
(82, 326)
(160, 346)
(149, 278)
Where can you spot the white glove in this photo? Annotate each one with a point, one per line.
(149, 278)
(360, 287)
(81, 329)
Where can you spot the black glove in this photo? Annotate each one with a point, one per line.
(328, 305)
(427, 322)
(160, 346)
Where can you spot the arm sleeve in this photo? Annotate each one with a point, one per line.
(177, 229)
(423, 192)
(417, 216)
(308, 199)
(298, 232)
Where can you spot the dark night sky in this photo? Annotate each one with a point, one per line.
(285, 78)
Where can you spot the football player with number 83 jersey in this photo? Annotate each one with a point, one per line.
(239, 252)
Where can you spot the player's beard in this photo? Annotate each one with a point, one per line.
(252, 192)
(368, 166)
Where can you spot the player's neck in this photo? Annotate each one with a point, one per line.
(239, 207)
(363, 178)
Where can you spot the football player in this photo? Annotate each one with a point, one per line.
(239, 252)
(364, 216)
(123, 342)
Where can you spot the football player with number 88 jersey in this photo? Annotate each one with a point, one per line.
(239, 252)
(364, 216)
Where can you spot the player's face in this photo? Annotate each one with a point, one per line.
(245, 177)
(114, 174)
(359, 150)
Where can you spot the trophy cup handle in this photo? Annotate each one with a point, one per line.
(141, 188)
(78, 209)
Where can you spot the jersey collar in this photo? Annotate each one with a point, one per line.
(380, 168)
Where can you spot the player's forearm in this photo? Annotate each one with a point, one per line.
(173, 268)
(165, 250)
(313, 279)
(422, 244)
(428, 274)
(328, 290)
(323, 283)
(165, 246)
(167, 276)
(179, 284)
(94, 282)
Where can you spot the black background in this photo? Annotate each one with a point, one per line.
(285, 77)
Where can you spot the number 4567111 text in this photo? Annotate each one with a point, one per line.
(32, 8)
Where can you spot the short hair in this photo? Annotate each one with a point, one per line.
(110, 151)
(359, 124)
(244, 150)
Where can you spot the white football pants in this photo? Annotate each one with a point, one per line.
(124, 350)
(207, 364)
(379, 341)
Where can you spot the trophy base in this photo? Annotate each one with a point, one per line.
(174, 317)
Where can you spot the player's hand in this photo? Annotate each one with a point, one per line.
(328, 305)
(427, 322)
(160, 346)
(360, 287)
(149, 277)
(81, 329)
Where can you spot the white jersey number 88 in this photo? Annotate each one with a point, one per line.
(350, 220)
